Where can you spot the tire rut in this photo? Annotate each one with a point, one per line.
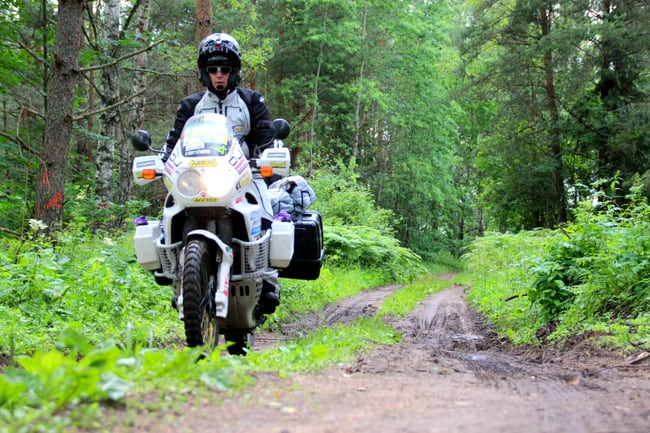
(365, 304)
(449, 373)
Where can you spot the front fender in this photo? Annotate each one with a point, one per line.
(227, 255)
(223, 276)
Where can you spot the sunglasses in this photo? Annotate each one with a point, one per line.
(223, 69)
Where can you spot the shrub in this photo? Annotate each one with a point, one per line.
(601, 266)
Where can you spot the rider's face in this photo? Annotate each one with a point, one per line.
(219, 78)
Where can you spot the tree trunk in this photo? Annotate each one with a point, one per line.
(203, 25)
(552, 106)
(109, 132)
(203, 19)
(357, 110)
(135, 114)
(49, 200)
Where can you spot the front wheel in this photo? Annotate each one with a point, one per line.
(199, 286)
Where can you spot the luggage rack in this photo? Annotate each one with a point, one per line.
(254, 257)
(169, 259)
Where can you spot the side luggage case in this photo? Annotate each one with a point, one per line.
(308, 248)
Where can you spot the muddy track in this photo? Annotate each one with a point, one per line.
(448, 374)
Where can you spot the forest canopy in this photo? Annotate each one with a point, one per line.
(455, 117)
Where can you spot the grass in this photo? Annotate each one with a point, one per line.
(498, 272)
(324, 347)
(407, 299)
(592, 276)
(84, 329)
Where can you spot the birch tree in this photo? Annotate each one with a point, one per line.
(110, 117)
(134, 118)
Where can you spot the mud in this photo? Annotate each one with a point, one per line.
(450, 373)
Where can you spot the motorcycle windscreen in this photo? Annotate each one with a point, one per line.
(206, 134)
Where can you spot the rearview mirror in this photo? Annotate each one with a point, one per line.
(141, 140)
(282, 128)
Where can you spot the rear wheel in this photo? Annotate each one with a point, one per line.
(239, 343)
(199, 285)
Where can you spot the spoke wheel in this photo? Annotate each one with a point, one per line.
(201, 327)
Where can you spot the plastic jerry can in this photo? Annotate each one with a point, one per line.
(282, 233)
(145, 245)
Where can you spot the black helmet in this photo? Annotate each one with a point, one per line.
(219, 49)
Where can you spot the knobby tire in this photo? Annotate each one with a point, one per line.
(200, 327)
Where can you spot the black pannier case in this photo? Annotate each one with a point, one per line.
(308, 248)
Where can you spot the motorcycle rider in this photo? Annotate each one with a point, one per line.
(219, 66)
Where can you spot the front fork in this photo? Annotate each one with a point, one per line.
(224, 258)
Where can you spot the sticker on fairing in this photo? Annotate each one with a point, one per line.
(243, 181)
(143, 164)
(241, 165)
(204, 163)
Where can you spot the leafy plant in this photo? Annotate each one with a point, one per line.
(555, 275)
(368, 248)
(499, 274)
(601, 268)
(89, 283)
(593, 274)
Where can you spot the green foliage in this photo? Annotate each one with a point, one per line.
(587, 125)
(554, 276)
(592, 275)
(343, 200)
(82, 212)
(601, 267)
(369, 248)
(357, 233)
(78, 374)
(326, 346)
(499, 273)
(90, 283)
(82, 322)
(300, 297)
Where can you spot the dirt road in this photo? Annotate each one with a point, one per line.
(449, 374)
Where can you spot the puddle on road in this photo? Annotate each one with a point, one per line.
(475, 357)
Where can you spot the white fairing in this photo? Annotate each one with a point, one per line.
(207, 149)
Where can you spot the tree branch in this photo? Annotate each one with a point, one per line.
(32, 53)
(11, 232)
(19, 142)
(119, 59)
(129, 18)
(110, 107)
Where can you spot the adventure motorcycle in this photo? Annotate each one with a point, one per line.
(219, 238)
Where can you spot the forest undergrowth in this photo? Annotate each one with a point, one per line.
(83, 325)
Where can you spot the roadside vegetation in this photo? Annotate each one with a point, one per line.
(589, 278)
(107, 334)
(83, 325)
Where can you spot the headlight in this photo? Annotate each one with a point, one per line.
(217, 183)
(189, 183)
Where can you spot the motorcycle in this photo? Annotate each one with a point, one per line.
(218, 239)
